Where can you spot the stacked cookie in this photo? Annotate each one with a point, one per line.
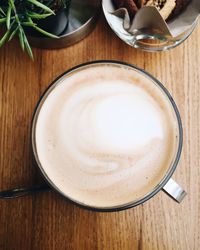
(167, 8)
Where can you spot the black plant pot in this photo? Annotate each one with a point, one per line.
(81, 20)
(54, 24)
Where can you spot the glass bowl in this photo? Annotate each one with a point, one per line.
(146, 39)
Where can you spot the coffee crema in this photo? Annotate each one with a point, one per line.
(106, 135)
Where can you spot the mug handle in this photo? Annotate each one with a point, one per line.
(22, 191)
(174, 190)
(171, 188)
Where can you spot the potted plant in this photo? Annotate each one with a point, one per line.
(23, 18)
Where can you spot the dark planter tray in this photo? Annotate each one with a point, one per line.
(82, 19)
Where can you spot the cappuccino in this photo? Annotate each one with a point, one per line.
(106, 135)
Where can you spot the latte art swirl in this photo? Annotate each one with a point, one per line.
(106, 135)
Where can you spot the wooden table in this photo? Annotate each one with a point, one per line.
(45, 220)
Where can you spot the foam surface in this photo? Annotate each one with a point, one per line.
(106, 135)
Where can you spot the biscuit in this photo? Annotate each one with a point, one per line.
(180, 6)
(130, 5)
(167, 8)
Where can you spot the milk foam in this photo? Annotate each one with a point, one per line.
(106, 135)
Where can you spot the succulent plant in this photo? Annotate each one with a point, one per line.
(17, 15)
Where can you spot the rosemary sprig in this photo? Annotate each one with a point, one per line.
(16, 15)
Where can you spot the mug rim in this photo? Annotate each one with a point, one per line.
(169, 172)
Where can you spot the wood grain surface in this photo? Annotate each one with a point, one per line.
(45, 220)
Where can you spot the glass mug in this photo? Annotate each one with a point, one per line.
(167, 184)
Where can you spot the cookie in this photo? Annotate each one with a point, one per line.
(165, 7)
(180, 6)
(119, 3)
(130, 5)
(141, 3)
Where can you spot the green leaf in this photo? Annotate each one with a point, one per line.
(28, 48)
(12, 4)
(21, 38)
(4, 38)
(28, 24)
(29, 19)
(42, 6)
(45, 32)
(2, 12)
(8, 17)
(2, 20)
(38, 16)
(13, 34)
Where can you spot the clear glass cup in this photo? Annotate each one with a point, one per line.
(167, 184)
